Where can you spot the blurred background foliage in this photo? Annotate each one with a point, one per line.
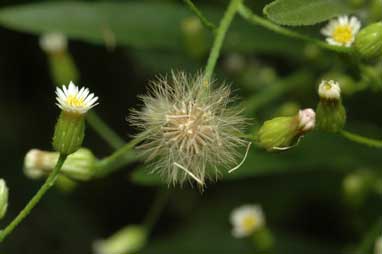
(118, 46)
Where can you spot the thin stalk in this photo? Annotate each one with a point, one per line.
(119, 158)
(156, 209)
(104, 131)
(219, 37)
(248, 15)
(208, 24)
(34, 201)
(362, 140)
(367, 244)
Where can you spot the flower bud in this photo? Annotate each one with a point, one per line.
(358, 185)
(3, 198)
(368, 42)
(130, 239)
(378, 245)
(331, 114)
(53, 43)
(194, 37)
(281, 133)
(78, 166)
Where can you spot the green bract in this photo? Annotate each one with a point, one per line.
(69, 133)
(331, 115)
(368, 42)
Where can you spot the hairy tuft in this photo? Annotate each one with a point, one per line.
(191, 129)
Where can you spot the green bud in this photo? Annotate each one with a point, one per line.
(69, 133)
(368, 42)
(194, 37)
(281, 133)
(65, 184)
(3, 198)
(331, 114)
(77, 166)
(130, 239)
(357, 186)
(263, 239)
(375, 13)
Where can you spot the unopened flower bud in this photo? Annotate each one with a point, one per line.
(194, 37)
(3, 198)
(130, 239)
(378, 245)
(281, 133)
(331, 114)
(357, 186)
(53, 43)
(368, 42)
(78, 166)
(70, 128)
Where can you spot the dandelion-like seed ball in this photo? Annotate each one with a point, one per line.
(191, 130)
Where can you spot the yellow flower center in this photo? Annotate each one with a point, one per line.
(74, 101)
(327, 86)
(249, 223)
(343, 34)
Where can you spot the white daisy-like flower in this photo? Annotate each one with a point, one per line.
(53, 42)
(246, 220)
(73, 100)
(341, 31)
(329, 89)
(306, 119)
(191, 131)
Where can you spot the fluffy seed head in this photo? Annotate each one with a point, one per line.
(75, 100)
(191, 130)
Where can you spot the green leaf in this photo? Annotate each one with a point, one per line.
(142, 25)
(317, 151)
(304, 12)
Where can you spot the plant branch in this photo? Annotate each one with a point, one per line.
(104, 131)
(219, 37)
(119, 158)
(208, 24)
(36, 198)
(362, 140)
(156, 209)
(248, 15)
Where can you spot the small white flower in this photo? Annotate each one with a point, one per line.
(329, 89)
(75, 100)
(341, 31)
(378, 246)
(306, 119)
(246, 220)
(53, 42)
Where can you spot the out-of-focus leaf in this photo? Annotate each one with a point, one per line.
(137, 24)
(304, 12)
(316, 151)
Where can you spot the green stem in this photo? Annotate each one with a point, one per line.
(362, 140)
(253, 103)
(248, 15)
(36, 198)
(209, 25)
(104, 130)
(156, 209)
(367, 244)
(119, 158)
(219, 37)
